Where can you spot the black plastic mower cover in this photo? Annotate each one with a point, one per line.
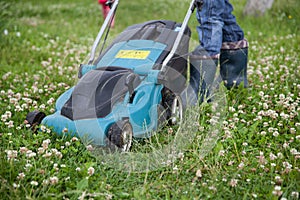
(97, 91)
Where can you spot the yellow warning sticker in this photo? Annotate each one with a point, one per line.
(133, 54)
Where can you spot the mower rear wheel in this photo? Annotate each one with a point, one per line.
(174, 107)
(120, 136)
(34, 119)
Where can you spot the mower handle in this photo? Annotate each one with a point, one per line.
(110, 15)
(194, 4)
(109, 3)
(198, 4)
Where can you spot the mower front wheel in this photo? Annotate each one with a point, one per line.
(120, 136)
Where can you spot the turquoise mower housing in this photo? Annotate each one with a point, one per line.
(130, 90)
(141, 112)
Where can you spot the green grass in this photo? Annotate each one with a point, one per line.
(254, 153)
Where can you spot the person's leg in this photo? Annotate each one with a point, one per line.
(204, 58)
(234, 51)
(105, 10)
(210, 18)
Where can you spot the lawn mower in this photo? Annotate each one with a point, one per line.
(132, 87)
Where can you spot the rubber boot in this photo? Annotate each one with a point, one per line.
(233, 64)
(202, 74)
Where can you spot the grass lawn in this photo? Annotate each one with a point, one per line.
(244, 145)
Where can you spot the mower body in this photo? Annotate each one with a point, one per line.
(124, 83)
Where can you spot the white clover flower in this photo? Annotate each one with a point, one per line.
(263, 133)
(89, 147)
(53, 180)
(18, 34)
(285, 145)
(54, 151)
(67, 143)
(199, 173)
(30, 154)
(28, 165)
(233, 182)
(278, 178)
(275, 133)
(47, 155)
(294, 151)
(281, 96)
(231, 109)
(21, 176)
(287, 165)
(11, 154)
(8, 114)
(273, 164)
(261, 93)
(34, 183)
(221, 153)
(277, 191)
(45, 182)
(241, 165)
(43, 128)
(272, 156)
(5, 32)
(51, 101)
(78, 169)
(91, 171)
(4, 118)
(280, 155)
(74, 139)
(41, 150)
(181, 155)
(42, 106)
(46, 143)
(59, 155)
(270, 129)
(245, 144)
(292, 130)
(10, 124)
(295, 195)
(175, 168)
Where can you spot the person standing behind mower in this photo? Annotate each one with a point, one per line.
(105, 10)
(221, 39)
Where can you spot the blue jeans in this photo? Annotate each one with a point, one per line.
(217, 25)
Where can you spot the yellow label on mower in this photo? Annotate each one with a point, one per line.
(133, 54)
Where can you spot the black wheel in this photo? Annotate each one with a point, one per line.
(120, 136)
(34, 118)
(174, 107)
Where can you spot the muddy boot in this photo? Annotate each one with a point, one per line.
(233, 63)
(202, 74)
